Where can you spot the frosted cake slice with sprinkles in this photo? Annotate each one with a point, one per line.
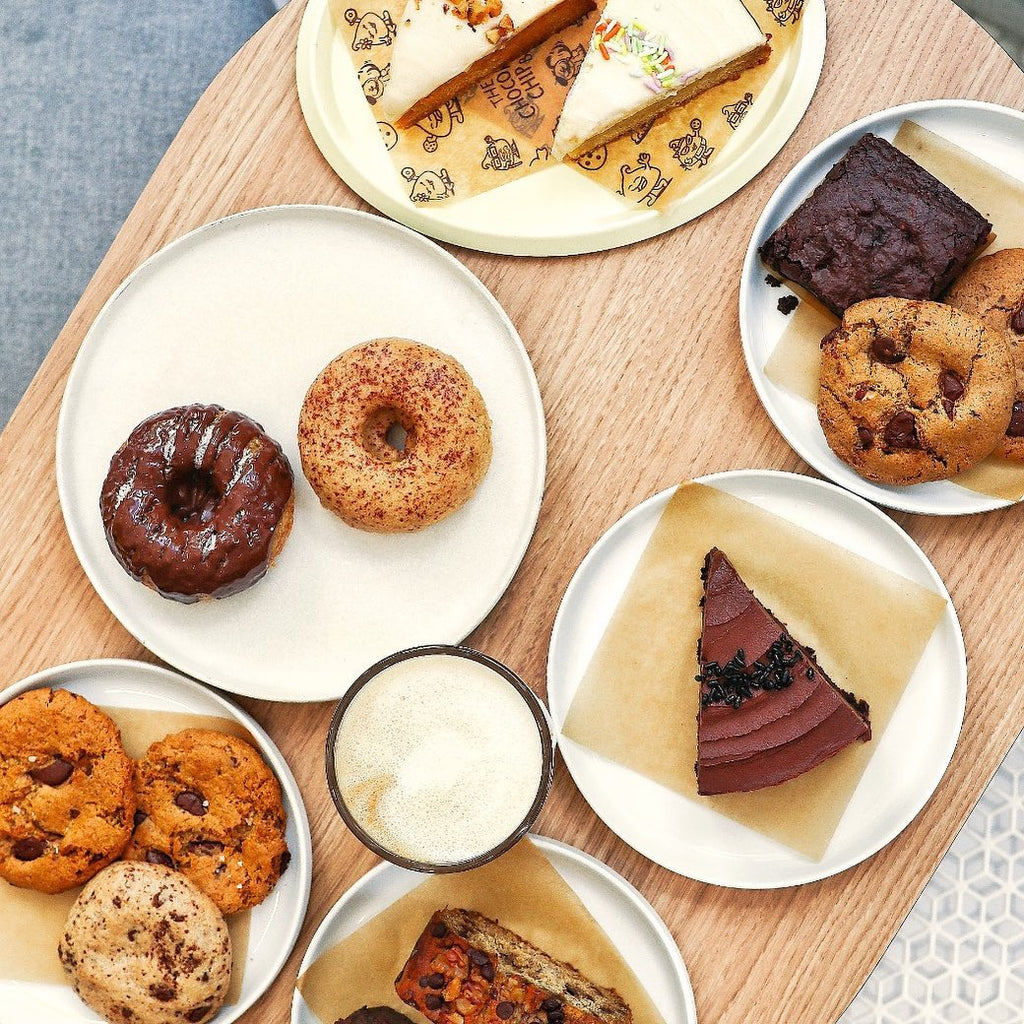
(647, 56)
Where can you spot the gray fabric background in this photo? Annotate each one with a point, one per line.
(93, 91)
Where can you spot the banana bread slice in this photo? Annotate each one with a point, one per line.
(468, 969)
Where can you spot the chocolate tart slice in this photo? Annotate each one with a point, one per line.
(768, 712)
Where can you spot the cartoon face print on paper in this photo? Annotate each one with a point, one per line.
(429, 186)
(439, 124)
(373, 79)
(371, 29)
(565, 63)
(593, 160)
(644, 184)
(388, 134)
(785, 12)
(735, 112)
(692, 150)
(500, 154)
(541, 156)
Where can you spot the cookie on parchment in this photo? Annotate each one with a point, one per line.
(209, 806)
(142, 944)
(913, 390)
(993, 288)
(66, 795)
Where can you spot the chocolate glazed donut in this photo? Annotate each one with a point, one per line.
(197, 502)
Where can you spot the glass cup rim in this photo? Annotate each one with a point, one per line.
(532, 701)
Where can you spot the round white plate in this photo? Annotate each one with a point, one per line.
(554, 212)
(993, 133)
(275, 923)
(690, 838)
(244, 313)
(631, 923)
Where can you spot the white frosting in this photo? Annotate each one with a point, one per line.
(432, 46)
(702, 35)
(439, 758)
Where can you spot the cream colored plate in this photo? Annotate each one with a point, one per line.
(555, 212)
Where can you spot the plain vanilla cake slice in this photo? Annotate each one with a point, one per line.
(647, 56)
(442, 47)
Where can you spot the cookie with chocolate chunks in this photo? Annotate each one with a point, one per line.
(209, 806)
(913, 391)
(993, 288)
(66, 796)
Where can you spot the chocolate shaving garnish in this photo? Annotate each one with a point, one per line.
(735, 681)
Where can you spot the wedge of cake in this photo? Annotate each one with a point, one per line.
(647, 56)
(442, 47)
(468, 969)
(768, 712)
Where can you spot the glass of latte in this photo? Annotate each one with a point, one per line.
(439, 758)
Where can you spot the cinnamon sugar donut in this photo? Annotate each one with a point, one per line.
(394, 436)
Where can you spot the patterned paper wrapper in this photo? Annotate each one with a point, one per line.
(502, 129)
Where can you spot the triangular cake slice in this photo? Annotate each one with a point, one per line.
(768, 712)
(442, 47)
(647, 56)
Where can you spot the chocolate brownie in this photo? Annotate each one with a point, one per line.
(210, 807)
(877, 225)
(993, 288)
(66, 797)
(913, 391)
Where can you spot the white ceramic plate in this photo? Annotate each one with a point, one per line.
(690, 838)
(244, 313)
(557, 211)
(627, 918)
(993, 133)
(275, 923)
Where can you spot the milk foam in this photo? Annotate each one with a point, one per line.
(438, 758)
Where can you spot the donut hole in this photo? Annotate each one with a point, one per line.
(192, 494)
(388, 436)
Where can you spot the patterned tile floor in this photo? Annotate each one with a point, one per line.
(959, 955)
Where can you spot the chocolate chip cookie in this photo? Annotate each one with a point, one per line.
(143, 944)
(993, 289)
(66, 795)
(210, 807)
(913, 390)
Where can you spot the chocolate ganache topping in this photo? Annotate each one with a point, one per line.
(767, 710)
(193, 500)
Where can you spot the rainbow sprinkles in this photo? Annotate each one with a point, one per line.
(635, 44)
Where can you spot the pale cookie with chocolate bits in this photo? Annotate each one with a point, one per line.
(209, 806)
(66, 795)
(142, 945)
(913, 391)
(993, 289)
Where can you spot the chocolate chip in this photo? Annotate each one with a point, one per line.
(901, 431)
(192, 802)
(439, 931)
(283, 861)
(423, 982)
(162, 993)
(866, 438)
(551, 1003)
(952, 388)
(140, 817)
(862, 390)
(198, 1013)
(205, 847)
(1017, 319)
(56, 773)
(478, 957)
(834, 335)
(556, 1017)
(787, 304)
(435, 980)
(1016, 427)
(487, 972)
(28, 849)
(433, 1001)
(886, 350)
(159, 857)
(73, 813)
(504, 1010)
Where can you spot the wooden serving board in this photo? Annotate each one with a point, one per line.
(638, 356)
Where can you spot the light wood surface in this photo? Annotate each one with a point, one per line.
(637, 352)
